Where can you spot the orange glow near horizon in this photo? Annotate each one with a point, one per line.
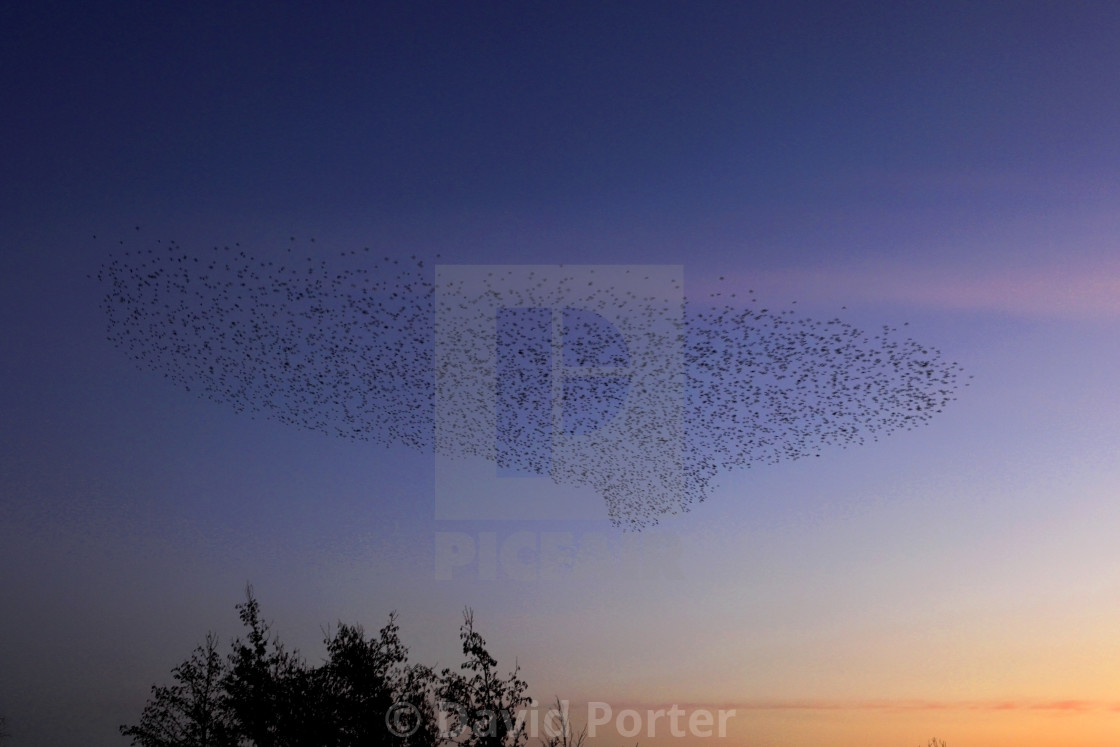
(884, 723)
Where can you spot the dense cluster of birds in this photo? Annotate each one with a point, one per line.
(642, 395)
(578, 371)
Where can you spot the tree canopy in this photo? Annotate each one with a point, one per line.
(366, 692)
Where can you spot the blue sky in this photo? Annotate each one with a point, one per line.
(951, 165)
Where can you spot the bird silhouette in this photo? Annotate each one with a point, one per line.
(349, 349)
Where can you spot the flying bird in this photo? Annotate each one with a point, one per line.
(349, 349)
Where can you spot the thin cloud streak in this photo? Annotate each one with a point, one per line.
(1080, 292)
(1072, 706)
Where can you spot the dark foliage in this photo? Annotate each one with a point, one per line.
(365, 693)
(485, 702)
(193, 711)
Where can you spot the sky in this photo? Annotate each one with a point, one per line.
(950, 170)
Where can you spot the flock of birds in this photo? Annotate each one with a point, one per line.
(522, 371)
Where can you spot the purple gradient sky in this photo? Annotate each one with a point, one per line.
(953, 165)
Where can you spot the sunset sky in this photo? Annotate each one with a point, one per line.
(952, 167)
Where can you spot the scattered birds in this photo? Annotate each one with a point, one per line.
(348, 349)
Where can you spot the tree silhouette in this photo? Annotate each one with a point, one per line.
(562, 734)
(365, 693)
(363, 679)
(261, 681)
(193, 711)
(482, 701)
